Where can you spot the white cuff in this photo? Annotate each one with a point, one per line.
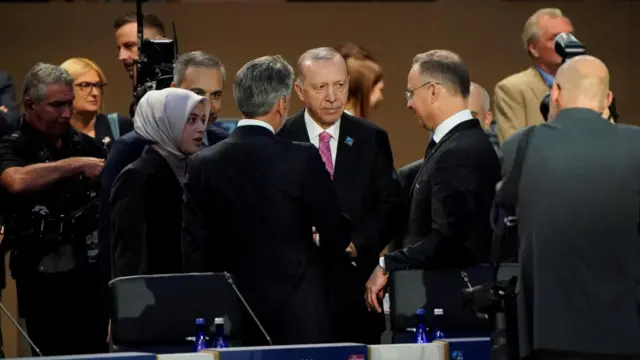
(381, 262)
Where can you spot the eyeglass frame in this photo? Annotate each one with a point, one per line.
(85, 87)
(410, 93)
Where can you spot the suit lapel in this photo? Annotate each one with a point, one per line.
(537, 85)
(460, 127)
(297, 128)
(347, 148)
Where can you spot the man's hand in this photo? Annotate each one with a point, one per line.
(316, 236)
(90, 167)
(352, 251)
(3, 109)
(374, 287)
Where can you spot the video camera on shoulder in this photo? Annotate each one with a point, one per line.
(568, 47)
(156, 58)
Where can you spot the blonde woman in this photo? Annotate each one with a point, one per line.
(89, 83)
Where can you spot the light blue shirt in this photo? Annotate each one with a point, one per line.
(548, 78)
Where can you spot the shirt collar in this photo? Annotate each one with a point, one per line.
(249, 122)
(314, 129)
(546, 77)
(450, 123)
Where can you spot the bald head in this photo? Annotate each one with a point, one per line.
(582, 82)
(479, 105)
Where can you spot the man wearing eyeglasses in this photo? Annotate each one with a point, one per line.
(453, 191)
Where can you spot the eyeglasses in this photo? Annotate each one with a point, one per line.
(86, 87)
(408, 94)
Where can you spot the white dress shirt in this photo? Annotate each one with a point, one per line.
(442, 130)
(450, 123)
(247, 122)
(314, 130)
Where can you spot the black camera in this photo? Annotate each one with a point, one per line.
(568, 46)
(155, 66)
(156, 58)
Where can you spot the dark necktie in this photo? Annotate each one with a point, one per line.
(430, 147)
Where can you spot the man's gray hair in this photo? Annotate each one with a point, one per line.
(261, 83)
(196, 59)
(486, 100)
(317, 54)
(40, 76)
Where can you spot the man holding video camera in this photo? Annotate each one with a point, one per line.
(48, 174)
(577, 203)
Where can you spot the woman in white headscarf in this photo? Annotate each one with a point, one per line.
(146, 198)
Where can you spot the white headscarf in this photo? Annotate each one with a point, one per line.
(161, 116)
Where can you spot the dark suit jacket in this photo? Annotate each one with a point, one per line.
(365, 180)
(123, 152)
(578, 207)
(406, 176)
(146, 218)
(250, 203)
(9, 120)
(214, 136)
(451, 201)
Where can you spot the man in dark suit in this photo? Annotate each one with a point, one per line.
(250, 203)
(8, 109)
(452, 195)
(363, 175)
(197, 71)
(577, 206)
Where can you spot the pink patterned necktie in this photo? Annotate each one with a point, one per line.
(325, 151)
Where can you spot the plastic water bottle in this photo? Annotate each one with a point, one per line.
(219, 340)
(201, 334)
(421, 330)
(438, 317)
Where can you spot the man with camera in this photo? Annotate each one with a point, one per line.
(126, 28)
(577, 204)
(516, 98)
(47, 174)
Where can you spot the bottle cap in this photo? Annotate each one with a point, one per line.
(420, 312)
(218, 321)
(438, 312)
(199, 321)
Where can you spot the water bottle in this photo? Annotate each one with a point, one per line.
(421, 330)
(438, 315)
(457, 355)
(219, 340)
(201, 334)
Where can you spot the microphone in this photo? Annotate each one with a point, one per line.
(465, 278)
(24, 333)
(233, 285)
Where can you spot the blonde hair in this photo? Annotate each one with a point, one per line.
(532, 27)
(78, 66)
